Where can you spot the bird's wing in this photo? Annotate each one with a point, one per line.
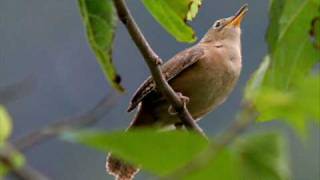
(170, 69)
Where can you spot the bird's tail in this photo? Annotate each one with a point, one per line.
(120, 169)
(117, 167)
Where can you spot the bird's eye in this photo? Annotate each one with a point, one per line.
(217, 24)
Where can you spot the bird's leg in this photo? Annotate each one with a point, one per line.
(158, 61)
(185, 101)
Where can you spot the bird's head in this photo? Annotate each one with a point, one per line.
(226, 29)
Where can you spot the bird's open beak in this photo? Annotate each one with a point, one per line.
(238, 17)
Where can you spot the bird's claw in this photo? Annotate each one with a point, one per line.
(158, 61)
(172, 111)
(185, 99)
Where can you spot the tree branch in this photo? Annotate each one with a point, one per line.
(153, 61)
(24, 173)
(54, 129)
(245, 118)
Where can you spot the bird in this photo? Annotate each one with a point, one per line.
(205, 73)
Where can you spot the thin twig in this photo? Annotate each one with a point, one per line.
(244, 119)
(154, 61)
(52, 130)
(26, 172)
(17, 90)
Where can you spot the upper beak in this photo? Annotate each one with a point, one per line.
(238, 17)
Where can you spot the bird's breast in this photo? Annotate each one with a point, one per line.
(207, 83)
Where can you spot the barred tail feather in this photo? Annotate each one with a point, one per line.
(117, 167)
(120, 169)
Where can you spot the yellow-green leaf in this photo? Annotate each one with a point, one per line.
(173, 16)
(16, 159)
(5, 124)
(99, 18)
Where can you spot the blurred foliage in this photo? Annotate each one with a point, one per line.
(262, 155)
(157, 152)
(173, 15)
(254, 157)
(250, 157)
(99, 18)
(14, 158)
(5, 124)
(286, 87)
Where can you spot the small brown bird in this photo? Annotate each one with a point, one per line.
(206, 73)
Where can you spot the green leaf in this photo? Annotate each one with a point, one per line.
(158, 152)
(5, 124)
(296, 107)
(17, 160)
(276, 8)
(222, 167)
(172, 15)
(254, 84)
(288, 89)
(262, 157)
(99, 19)
(290, 45)
(254, 157)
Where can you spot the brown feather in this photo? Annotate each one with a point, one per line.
(170, 70)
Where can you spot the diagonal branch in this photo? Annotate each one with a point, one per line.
(54, 129)
(154, 61)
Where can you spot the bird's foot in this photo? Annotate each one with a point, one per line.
(172, 111)
(158, 61)
(183, 98)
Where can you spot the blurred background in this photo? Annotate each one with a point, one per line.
(43, 43)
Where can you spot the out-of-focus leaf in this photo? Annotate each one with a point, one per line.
(293, 54)
(17, 160)
(172, 15)
(158, 152)
(288, 89)
(222, 167)
(262, 157)
(5, 124)
(276, 8)
(296, 107)
(99, 19)
(254, 157)
(256, 81)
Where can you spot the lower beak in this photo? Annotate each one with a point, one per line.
(238, 17)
